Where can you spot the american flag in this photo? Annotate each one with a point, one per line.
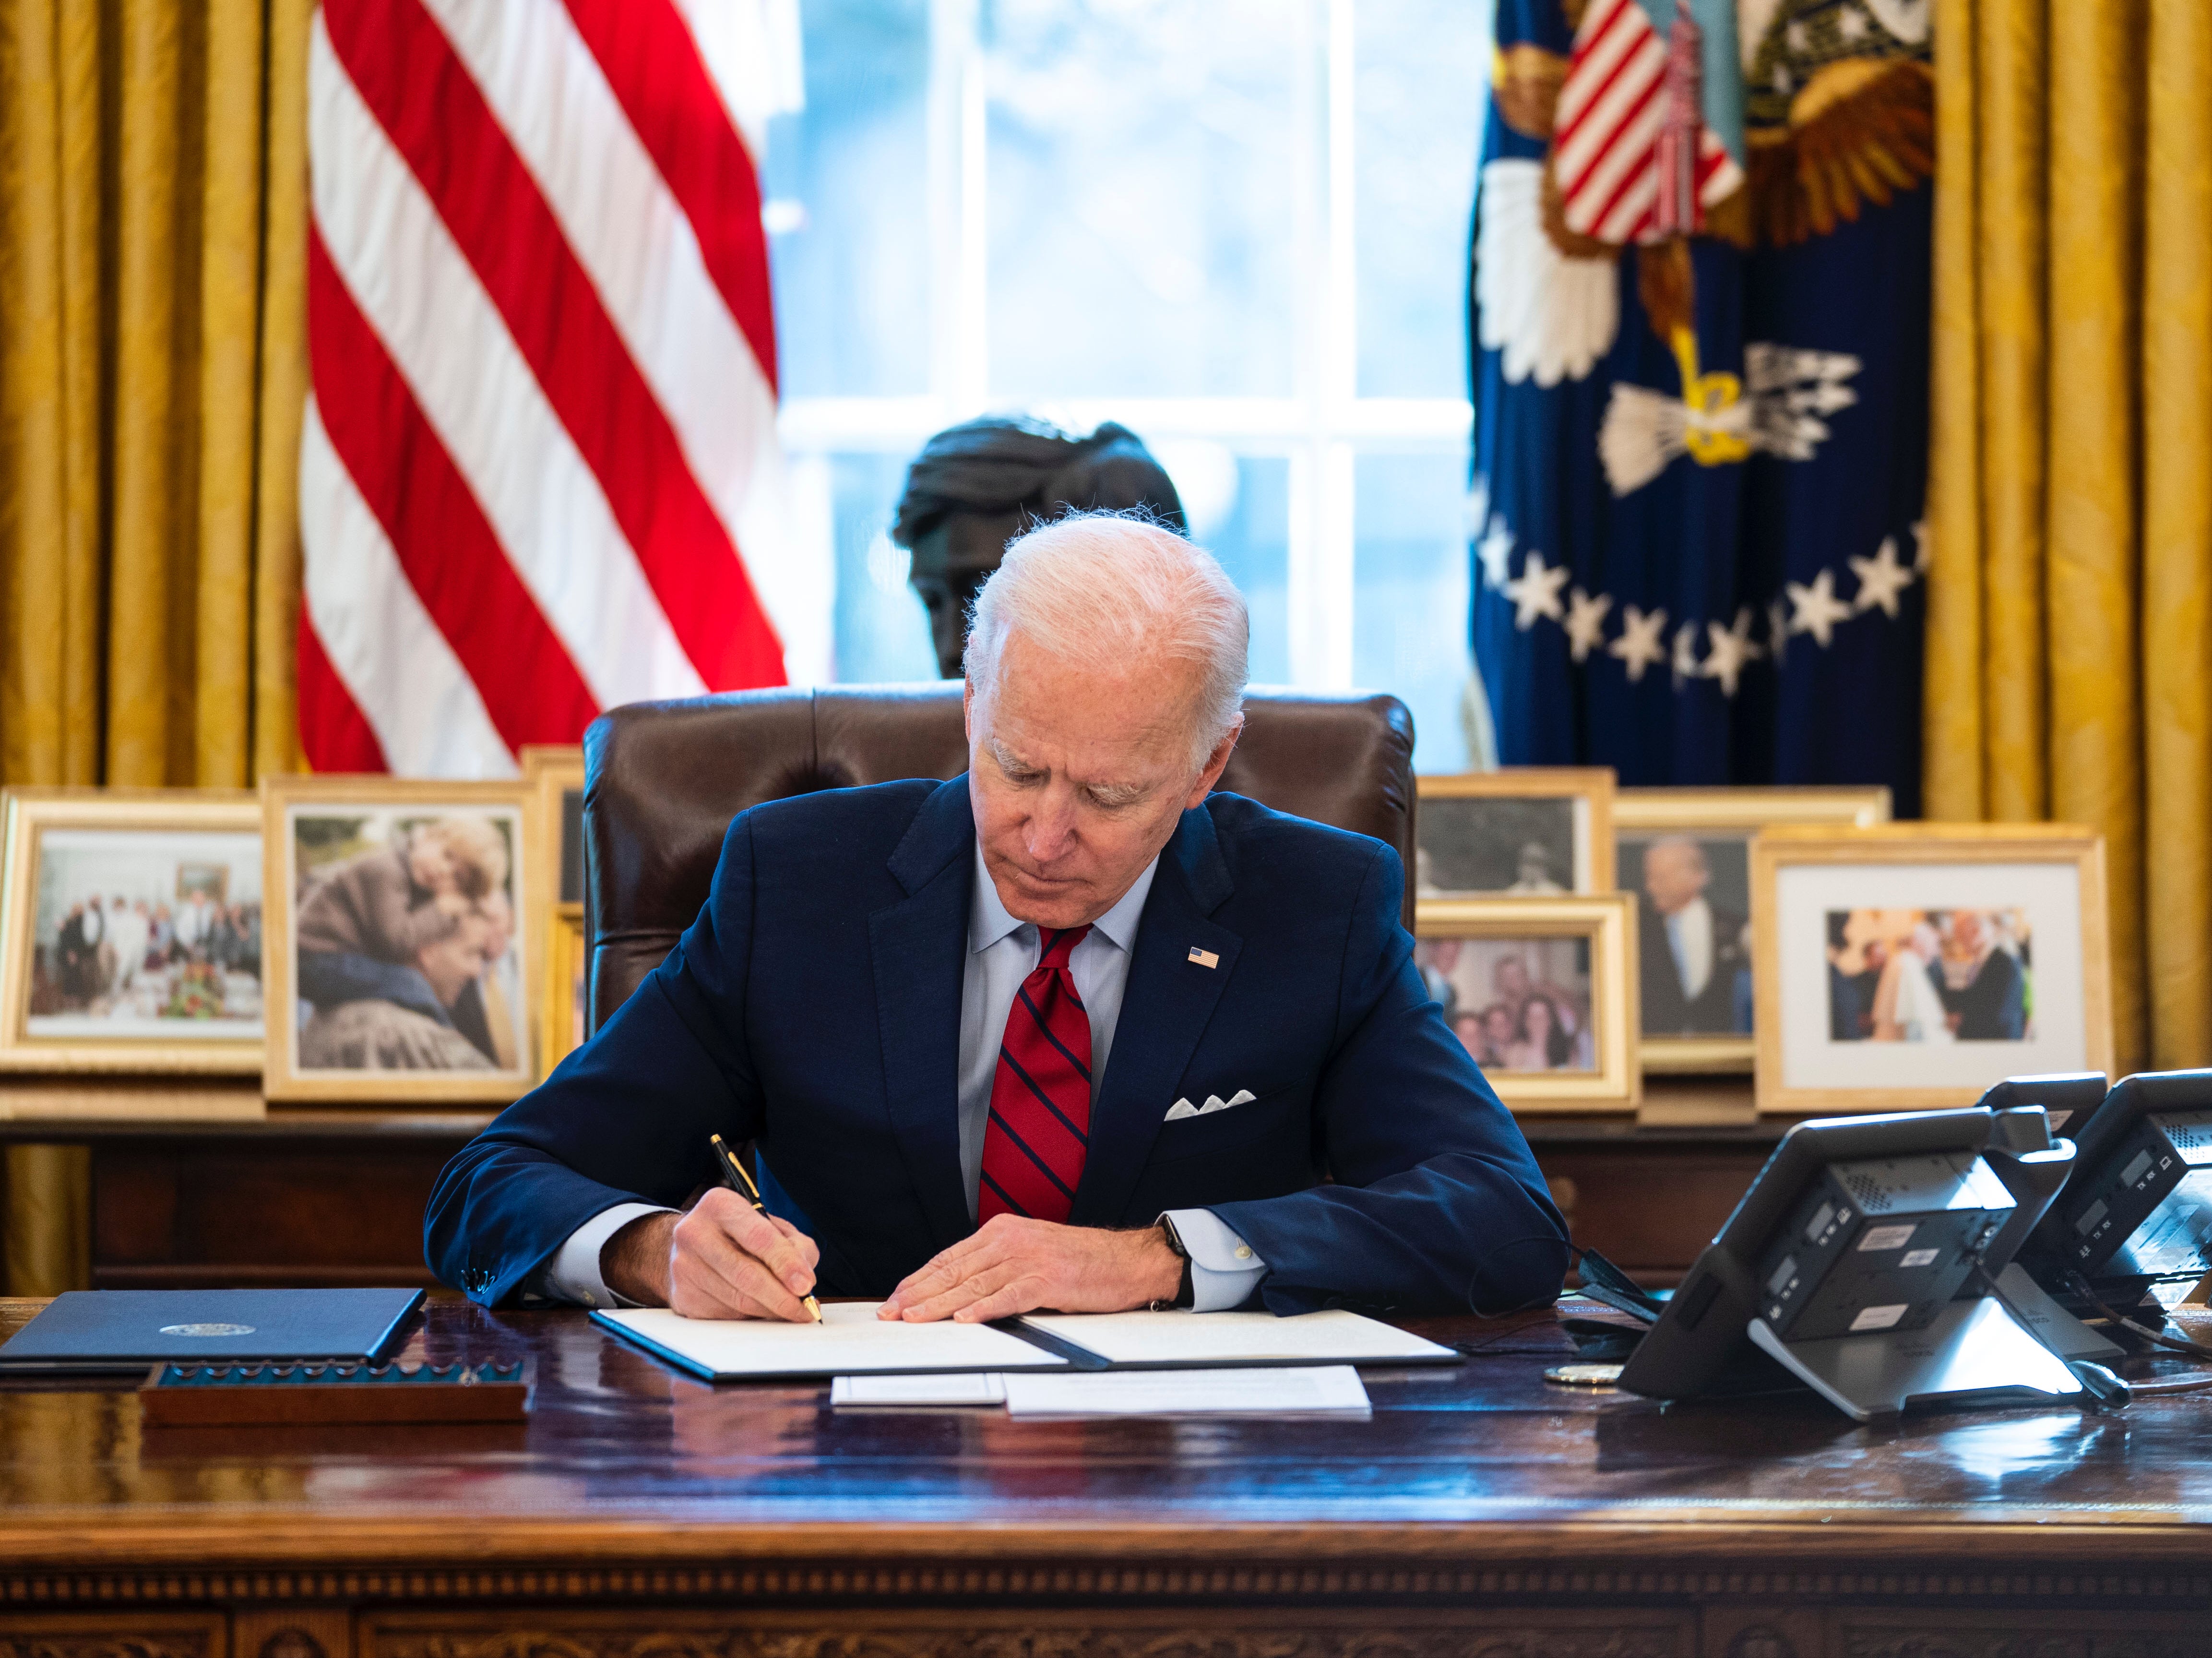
(539, 475)
(1613, 110)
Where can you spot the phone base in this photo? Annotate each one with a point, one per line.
(2059, 1329)
(1974, 1353)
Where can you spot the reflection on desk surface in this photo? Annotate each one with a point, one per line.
(616, 1436)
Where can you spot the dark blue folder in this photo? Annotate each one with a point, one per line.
(110, 1330)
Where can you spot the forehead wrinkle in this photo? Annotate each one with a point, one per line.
(1003, 754)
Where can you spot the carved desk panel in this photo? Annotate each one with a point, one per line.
(1481, 1513)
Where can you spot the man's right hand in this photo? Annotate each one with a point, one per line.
(725, 1259)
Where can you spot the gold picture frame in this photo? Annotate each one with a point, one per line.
(440, 1070)
(205, 819)
(560, 1019)
(1612, 1081)
(552, 772)
(2051, 895)
(1731, 816)
(1441, 853)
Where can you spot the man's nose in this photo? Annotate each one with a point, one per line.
(1052, 826)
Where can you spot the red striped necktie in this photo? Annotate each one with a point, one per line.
(1040, 1126)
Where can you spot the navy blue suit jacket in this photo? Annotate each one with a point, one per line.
(814, 1008)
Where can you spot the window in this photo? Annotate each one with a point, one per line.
(1238, 227)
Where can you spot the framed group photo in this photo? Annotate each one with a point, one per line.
(1911, 966)
(1540, 992)
(1685, 856)
(130, 931)
(1530, 832)
(401, 929)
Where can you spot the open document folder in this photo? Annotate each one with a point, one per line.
(852, 1341)
(849, 1342)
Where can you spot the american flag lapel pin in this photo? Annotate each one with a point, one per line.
(1204, 958)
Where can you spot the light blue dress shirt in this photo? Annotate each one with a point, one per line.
(1001, 953)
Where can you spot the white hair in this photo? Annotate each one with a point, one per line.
(1099, 589)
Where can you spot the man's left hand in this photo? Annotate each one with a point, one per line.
(1014, 1265)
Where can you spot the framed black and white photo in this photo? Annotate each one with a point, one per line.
(1910, 967)
(1530, 832)
(1685, 854)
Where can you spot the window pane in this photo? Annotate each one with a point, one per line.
(847, 205)
(1239, 511)
(882, 629)
(1140, 178)
(1410, 601)
(1421, 80)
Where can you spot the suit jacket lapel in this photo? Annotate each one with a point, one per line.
(919, 948)
(1164, 1010)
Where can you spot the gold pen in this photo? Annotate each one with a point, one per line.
(734, 1177)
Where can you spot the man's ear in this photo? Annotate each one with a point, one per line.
(1216, 764)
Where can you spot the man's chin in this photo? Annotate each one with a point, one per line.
(1053, 904)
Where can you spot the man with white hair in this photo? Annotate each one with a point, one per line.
(1694, 953)
(1070, 1031)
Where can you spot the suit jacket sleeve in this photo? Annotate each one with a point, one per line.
(1439, 1206)
(625, 1119)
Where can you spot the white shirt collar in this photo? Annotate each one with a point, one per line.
(988, 920)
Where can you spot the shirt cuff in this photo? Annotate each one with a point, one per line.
(573, 1273)
(1223, 1270)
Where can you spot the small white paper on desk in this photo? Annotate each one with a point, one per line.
(916, 1392)
(1333, 1337)
(1316, 1390)
(849, 1342)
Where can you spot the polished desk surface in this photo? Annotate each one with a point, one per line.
(624, 1458)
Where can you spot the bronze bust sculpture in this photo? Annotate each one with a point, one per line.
(976, 486)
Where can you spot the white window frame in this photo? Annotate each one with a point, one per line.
(1320, 428)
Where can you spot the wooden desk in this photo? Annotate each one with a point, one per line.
(303, 1197)
(1481, 1513)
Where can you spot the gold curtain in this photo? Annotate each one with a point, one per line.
(153, 371)
(2069, 644)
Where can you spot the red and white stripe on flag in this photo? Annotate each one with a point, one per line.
(1605, 144)
(539, 475)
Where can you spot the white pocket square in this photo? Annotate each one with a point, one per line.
(1214, 1103)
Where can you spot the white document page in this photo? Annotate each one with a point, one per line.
(850, 1340)
(916, 1392)
(1183, 1337)
(1314, 1390)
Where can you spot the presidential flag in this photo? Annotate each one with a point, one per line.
(1700, 299)
(539, 475)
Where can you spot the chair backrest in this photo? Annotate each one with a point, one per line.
(663, 780)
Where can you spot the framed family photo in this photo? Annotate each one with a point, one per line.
(1540, 991)
(1910, 967)
(1530, 832)
(400, 929)
(1685, 856)
(130, 931)
(555, 776)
